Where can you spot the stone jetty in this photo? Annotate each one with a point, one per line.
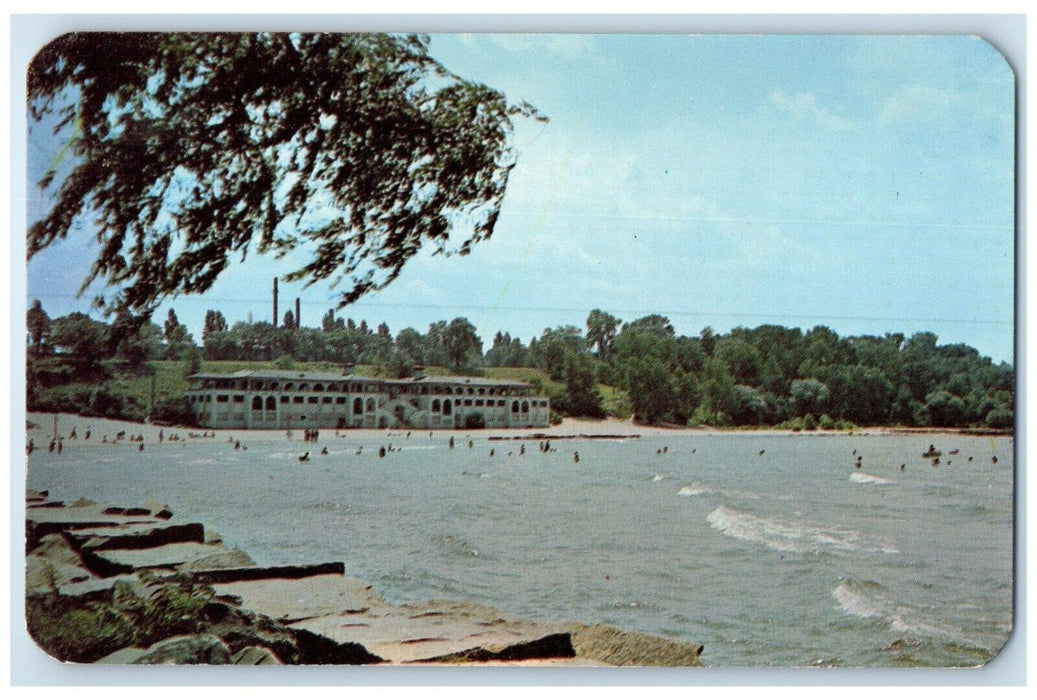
(108, 584)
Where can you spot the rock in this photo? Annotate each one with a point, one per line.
(254, 573)
(240, 628)
(159, 510)
(618, 648)
(142, 536)
(118, 510)
(82, 503)
(40, 522)
(291, 600)
(318, 649)
(231, 559)
(255, 656)
(43, 576)
(553, 646)
(110, 562)
(439, 631)
(187, 649)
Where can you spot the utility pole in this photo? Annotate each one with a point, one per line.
(275, 302)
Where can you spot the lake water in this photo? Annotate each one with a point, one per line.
(771, 550)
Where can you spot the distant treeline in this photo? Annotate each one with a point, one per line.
(769, 375)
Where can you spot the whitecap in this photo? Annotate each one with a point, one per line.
(694, 489)
(862, 478)
(800, 536)
(868, 599)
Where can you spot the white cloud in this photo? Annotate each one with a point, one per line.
(803, 105)
(918, 102)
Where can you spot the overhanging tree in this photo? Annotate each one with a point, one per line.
(186, 150)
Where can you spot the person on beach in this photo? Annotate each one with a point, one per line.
(160, 436)
(73, 435)
(324, 450)
(451, 442)
(86, 436)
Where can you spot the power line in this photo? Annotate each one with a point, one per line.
(545, 309)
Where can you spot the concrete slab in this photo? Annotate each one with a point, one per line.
(136, 536)
(110, 562)
(442, 631)
(288, 600)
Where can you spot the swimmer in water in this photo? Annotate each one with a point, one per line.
(576, 457)
(305, 457)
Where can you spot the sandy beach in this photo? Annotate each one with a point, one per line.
(102, 431)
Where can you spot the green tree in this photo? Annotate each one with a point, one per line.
(649, 390)
(717, 387)
(553, 346)
(214, 323)
(37, 323)
(81, 337)
(601, 329)
(461, 342)
(581, 396)
(187, 149)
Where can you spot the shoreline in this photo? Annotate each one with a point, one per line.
(570, 428)
(84, 556)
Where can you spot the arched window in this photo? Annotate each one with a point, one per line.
(271, 403)
(435, 405)
(514, 406)
(289, 387)
(525, 407)
(257, 403)
(318, 387)
(370, 406)
(304, 387)
(358, 406)
(447, 408)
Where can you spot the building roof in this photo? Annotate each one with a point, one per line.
(296, 375)
(276, 374)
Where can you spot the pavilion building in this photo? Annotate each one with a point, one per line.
(286, 399)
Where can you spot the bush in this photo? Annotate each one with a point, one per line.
(285, 362)
(80, 633)
(1000, 418)
(556, 418)
(825, 422)
(809, 422)
(474, 421)
(174, 412)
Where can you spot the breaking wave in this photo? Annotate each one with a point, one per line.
(862, 478)
(694, 489)
(794, 536)
(868, 599)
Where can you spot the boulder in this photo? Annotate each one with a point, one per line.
(186, 649)
(255, 656)
(140, 536)
(616, 647)
(230, 559)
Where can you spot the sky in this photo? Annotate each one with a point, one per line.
(865, 183)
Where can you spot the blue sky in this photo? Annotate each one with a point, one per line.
(864, 183)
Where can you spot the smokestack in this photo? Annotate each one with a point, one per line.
(275, 302)
(298, 321)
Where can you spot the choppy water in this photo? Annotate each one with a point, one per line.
(792, 557)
